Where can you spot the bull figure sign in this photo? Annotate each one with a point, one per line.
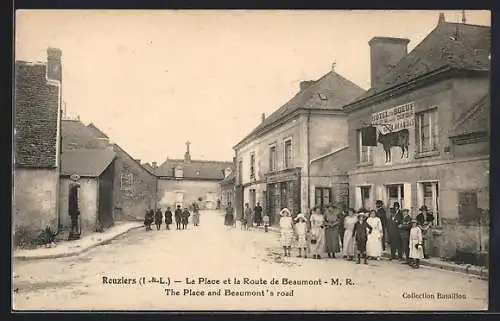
(400, 139)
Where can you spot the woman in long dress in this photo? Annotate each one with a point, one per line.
(196, 214)
(374, 243)
(301, 232)
(349, 244)
(286, 230)
(332, 240)
(317, 234)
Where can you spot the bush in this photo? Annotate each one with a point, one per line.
(25, 238)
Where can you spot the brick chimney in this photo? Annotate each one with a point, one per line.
(154, 164)
(441, 18)
(187, 155)
(385, 53)
(54, 66)
(263, 117)
(306, 84)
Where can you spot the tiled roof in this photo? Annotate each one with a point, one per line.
(331, 91)
(75, 135)
(36, 106)
(454, 45)
(476, 119)
(196, 169)
(97, 132)
(86, 162)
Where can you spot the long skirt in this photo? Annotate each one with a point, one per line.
(319, 247)
(196, 219)
(349, 243)
(286, 237)
(301, 241)
(374, 245)
(414, 252)
(332, 240)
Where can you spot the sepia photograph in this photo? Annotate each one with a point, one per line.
(251, 160)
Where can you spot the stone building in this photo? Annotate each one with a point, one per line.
(227, 190)
(36, 144)
(134, 185)
(184, 181)
(426, 118)
(95, 167)
(275, 160)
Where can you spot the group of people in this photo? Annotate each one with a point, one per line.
(249, 218)
(181, 217)
(359, 235)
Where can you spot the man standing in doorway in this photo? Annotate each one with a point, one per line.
(258, 214)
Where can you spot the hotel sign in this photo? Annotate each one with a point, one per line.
(395, 119)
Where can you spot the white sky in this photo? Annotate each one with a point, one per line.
(154, 79)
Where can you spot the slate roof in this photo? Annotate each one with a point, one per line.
(455, 45)
(36, 105)
(75, 135)
(337, 90)
(86, 162)
(97, 132)
(476, 119)
(195, 169)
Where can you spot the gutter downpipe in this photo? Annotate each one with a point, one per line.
(308, 162)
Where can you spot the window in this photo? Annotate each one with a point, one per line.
(272, 158)
(468, 206)
(427, 131)
(322, 96)
(178, 172)
(322, 196)
(365, 197)
(396, 193)
(429, 196)
(288, 153)
(252, 166)
(364, 152)
(240, 171)
(126, 181)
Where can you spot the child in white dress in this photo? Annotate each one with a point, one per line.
(301, 232)
(416, 249)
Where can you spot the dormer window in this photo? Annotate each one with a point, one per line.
(322, 96)
(179, 172)
(198, 173)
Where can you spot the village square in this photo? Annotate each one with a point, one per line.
(341, 198)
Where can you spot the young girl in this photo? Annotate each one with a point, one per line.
(360, 234)
(286, 230)
(301, 231)
(416, 252)
(266, 220)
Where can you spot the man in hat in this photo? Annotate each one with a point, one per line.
(394, 236)
(178, 217)
(404, 232)
(382, 215)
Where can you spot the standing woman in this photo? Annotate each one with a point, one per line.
(332, 239)
(286, 230)
(317, 241)
(348, 244)
(375, 238)
(196, 214)
(168, 218)
(229, 218)
(158, 219)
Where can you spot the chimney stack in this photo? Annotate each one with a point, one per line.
(154, 164)
(441, 18)
(306, 84)
(54, 66)
(263, 117)
(385, 53)
(187, 155)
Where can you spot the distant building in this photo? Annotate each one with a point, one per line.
(274, 162)
(36, 150)
(432, 104)
(227, 187)
(95, 197)
(184, 181)
(134, 185)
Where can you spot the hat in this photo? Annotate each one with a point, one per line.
(362, 214)
(423, 208)
(301, 216)
(285, 212)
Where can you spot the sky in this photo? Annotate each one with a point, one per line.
(152, 80)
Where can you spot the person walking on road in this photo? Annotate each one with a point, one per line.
(158, 219)
(178, 217)
(286, 230)
(168, 218)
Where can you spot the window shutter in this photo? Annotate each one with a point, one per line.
(369, 136)
(357, 198)
(407, 197)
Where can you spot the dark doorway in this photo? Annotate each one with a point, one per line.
(105, 215)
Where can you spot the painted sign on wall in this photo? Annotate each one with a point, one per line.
(395, 118)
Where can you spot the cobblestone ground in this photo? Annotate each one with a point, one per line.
(215, 252)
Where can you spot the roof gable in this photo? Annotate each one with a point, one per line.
(76, 135)
(330, 92)
(477, 119)
(96, 131)
(86, 162)
(451, 45)
(195, 169)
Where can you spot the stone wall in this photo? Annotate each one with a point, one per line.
(87, 203)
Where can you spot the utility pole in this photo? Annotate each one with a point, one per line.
(463, 17)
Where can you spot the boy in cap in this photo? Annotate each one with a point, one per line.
(360, 234)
